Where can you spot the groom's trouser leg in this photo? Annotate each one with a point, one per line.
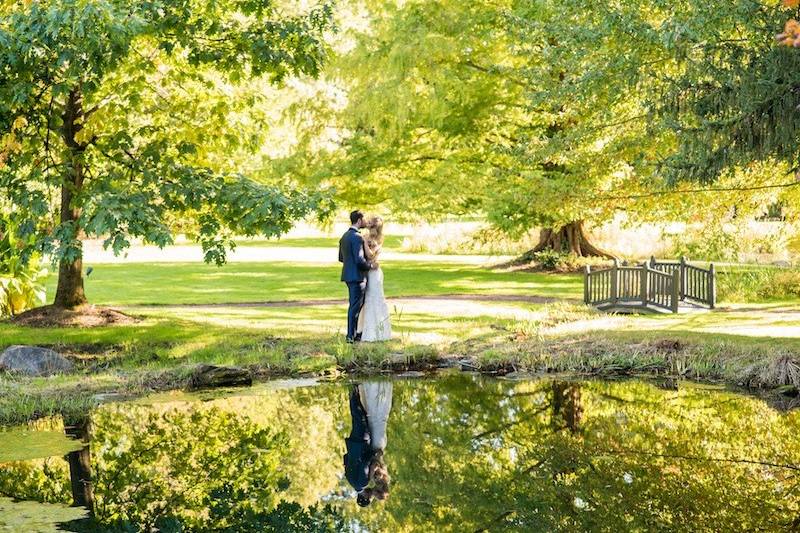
(357, 416)
(356, 290)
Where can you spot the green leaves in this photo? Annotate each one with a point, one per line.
(202, 469)
(135, 114)
(22, 278)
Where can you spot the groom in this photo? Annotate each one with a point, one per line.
(354, 270)
(359, 454)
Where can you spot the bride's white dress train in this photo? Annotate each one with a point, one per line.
(373, 322)
(376, 397)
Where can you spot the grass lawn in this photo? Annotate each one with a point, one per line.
(181, 283)
(752, 344)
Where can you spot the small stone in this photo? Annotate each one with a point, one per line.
(33, 361)
(211, 376)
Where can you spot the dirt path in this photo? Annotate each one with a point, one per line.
(321, 302)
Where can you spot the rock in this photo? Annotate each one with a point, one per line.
(33, 361)
(209, 376)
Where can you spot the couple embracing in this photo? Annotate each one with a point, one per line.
(364, 465)
(368, 312)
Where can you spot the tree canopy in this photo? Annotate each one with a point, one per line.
(115, 114)
(532, 114)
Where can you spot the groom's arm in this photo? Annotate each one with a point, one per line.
(357, 245)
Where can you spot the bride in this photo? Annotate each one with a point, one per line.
(373, 322)
(376, 398)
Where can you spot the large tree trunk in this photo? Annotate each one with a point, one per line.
(570, 238)
(80, 467)
(69, 292)
(567, 406)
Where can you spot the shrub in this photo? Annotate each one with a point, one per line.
(550, 259)
(560, 261)
(785, 284)
(21, 276)
(710, 243)
(756, 284)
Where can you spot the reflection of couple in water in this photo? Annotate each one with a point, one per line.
(364, 466)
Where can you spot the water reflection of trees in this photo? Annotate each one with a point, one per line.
(466, 454)
(594, 456)
(194, 467)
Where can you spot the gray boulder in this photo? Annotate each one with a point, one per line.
(33, 361)
(210, 376)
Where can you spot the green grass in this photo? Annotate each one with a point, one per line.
(181, 283)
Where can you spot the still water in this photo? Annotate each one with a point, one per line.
(457, 453)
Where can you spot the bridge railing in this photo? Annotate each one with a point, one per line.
(697, 284)
(652, 284)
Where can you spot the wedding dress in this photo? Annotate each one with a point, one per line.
(376, 397)
(373, 322)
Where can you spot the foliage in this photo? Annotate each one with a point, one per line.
(556, 261)
(754, 284)
(124, 108)
(21, 287)
(785, 284)
(196, 470)
(712, 242)
(43, 480)
(732, 99)
(292, 518)
(490, 110)
(21, 277)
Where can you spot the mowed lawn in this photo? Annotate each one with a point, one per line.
(124, 284)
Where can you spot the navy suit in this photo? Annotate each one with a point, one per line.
(354, 273)
(359, 453)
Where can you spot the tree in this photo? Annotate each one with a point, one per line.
(112, 113)
(733, 99)
(525, 113)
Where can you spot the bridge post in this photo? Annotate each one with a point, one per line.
(587, 279)
(684, 272)
(615, 282)
(712, 287)
(644, 283)
(676, 282)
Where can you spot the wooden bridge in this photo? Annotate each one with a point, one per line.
(653, 286)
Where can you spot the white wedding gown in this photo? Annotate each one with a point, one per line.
(376, 397)
(373, 322)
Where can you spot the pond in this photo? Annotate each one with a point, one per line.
(460, 453)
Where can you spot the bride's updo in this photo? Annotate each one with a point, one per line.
(375, 227)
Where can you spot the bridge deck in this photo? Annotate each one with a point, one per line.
(636, 307)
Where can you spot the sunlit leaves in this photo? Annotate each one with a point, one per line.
(145, 109)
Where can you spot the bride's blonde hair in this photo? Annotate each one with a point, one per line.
(380, 477)
(375, 228)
